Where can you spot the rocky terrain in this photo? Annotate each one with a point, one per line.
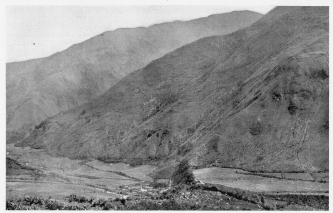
(38, 89)
(255, 99)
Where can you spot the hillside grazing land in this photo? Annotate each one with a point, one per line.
(40, 88)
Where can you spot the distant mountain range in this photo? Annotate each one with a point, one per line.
(256, 99)
(38, 89)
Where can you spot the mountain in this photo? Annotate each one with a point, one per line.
(255, 99)
(38, 89)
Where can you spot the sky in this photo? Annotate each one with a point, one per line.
(40, 31)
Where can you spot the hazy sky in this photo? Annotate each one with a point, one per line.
(39, 31)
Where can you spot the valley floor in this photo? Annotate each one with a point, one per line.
(35, 174)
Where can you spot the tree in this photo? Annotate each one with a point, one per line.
(182, 174)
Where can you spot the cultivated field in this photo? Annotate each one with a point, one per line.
(60, 176)
(256, 182)
(33, 173)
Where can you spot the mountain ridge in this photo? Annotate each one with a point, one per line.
(139, 27)
(255, 99)
(40, 88)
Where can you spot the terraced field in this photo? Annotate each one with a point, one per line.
(61, 176)
(33, 173)
(260, 182)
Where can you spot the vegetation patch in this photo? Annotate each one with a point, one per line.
(319, 74)
(292, 108)
(182, 174)
(256, 128)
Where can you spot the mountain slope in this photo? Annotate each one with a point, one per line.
(41, 88)
(255, 99)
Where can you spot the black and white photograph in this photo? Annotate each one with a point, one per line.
(166, 105)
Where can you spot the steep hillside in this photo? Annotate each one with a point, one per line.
(41, 88)
(255, 99)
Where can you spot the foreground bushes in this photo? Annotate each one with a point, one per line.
(73, 202)
(180, 197)
(164, 205)
(315, 201)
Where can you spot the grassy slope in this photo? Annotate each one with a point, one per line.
(41, 88)
(255, 99)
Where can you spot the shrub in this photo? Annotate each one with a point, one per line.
(144, 205)
(79, 199)
(184, 149)
(183, 174)
(54, 205)
(171, 204)
(256, 129)
(158, 185)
